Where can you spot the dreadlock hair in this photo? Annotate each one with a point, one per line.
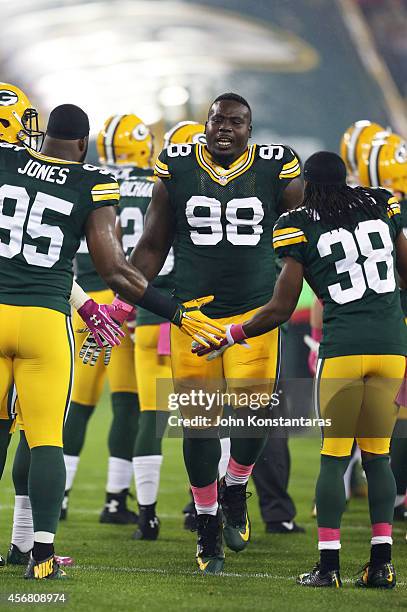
(337, 204)
(235, 98)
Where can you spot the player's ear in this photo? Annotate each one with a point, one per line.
(250, 130)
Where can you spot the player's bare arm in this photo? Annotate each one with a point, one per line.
(281, 306)
(292, 195)
(108, 256)
(152, 249)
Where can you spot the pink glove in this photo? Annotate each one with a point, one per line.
(120, 311)
(234, 335)
(100, 324)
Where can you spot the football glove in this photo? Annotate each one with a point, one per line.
(234, 335)
(90, 351)
(104, 331)
(189, 318)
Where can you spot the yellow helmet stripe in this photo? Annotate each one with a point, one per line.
(108, 142)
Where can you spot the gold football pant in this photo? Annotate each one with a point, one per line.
(356, 393)
(243, 373)
(36, 353)
(89, 380)
(152, 369)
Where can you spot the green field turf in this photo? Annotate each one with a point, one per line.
(113, 572)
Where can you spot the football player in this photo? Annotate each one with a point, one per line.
(48, 201)
(219, 202)
(123, 141)
(347, 242)
(19, 126)
(129, 153)
(385, 165)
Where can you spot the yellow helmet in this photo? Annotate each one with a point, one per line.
(125, 139)
(18, 118)
(185, 131)
(358, 138)
(385, 165)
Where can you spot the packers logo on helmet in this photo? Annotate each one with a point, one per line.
(125, 140)
(18, 118)
(385, 164)
(357, 139)
(7, 97)
(185, 132)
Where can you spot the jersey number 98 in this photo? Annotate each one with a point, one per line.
(211, 223)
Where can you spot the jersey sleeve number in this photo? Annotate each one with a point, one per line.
(35, 227)
(362, 275)
(271, 152)
(211, 226)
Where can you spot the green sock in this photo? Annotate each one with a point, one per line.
(21, 466)
(5, 438)
(151, 428)
(123, 429)
(75, 428)
(381, 489)
(398, 464)
(243, 448)
(330, 491)
(201, 456)
(46, 486)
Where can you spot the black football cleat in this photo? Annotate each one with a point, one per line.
(148, 524)
(381, 576)
(315, 578)
(209, 551)
(16, 557)
(236, 522)
(47, 569)
(287, 527)
(116, 512)
(64, 508)
(190, 516)
(2, 561)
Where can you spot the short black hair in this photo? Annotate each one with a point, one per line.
(235, 98)
(68, 122)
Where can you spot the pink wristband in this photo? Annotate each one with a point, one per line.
(237, 333)
(122, 305)
(316, 334)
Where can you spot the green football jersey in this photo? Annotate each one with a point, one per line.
(136, 188)
(44, 204)
(224, 221)
(353, 271)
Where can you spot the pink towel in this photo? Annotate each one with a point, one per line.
(163, 345)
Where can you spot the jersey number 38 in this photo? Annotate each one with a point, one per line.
(375, 273)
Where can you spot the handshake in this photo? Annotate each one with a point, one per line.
(104, 321)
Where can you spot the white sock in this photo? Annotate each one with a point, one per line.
(224, 459)
(119, 475)
(399, 500)
(45, 537)
(207, 509)
(71, 465)
(147, 478)
(23, 529)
